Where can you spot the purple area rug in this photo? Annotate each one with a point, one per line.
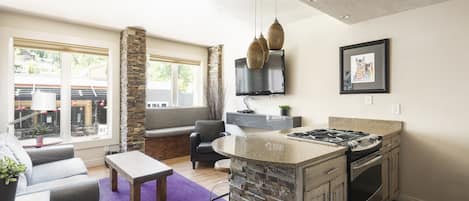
(179, 188)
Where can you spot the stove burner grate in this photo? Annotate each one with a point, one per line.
(330, 135)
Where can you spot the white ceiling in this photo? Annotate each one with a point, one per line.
(203, 22)
(361, 10)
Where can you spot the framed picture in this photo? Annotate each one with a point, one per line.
(364, 68)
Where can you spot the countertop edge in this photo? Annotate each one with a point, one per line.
(333, 154)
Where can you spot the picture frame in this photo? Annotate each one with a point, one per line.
(364, 68)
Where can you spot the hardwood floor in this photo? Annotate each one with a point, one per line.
(204, 174)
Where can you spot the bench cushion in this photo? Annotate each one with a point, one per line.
(165, 132)
(174, 117)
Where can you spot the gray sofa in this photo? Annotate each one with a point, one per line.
(53, 169)
(172, 121)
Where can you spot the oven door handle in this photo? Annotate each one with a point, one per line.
(369, 163)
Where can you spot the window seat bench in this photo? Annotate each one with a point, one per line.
(167, 131)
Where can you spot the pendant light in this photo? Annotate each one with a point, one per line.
(255, 55)
(262, 41)
(276, 35)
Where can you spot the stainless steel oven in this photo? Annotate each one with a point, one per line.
(365, 178)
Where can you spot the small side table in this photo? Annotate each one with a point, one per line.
(48, 141)
(39, 196)
(138, 168)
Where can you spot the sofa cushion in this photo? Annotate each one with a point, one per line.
(164, 132)
(44, 186)
(58, 170)
(174, 117)
(21, 155)
(205, 147)
(6, 152)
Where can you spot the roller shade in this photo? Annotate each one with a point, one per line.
(56, 46)
(154, 57)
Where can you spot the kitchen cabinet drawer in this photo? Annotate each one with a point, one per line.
(324, 172)
(396, 141)
(387, 145)
(391, 143)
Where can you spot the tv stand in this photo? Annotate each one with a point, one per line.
(269, 122)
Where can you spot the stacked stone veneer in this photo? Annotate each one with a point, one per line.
(251, 181)
(133, 66)
(215, 93)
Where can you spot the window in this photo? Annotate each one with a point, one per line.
(89, 94)
(76, 74)
(173, 83)
(36, 70)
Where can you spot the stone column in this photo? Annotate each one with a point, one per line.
(133, 80)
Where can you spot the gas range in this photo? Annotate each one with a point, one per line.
(359, 143)
(364, 159)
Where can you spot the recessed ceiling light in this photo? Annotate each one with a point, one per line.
(313, 0)
(345, 17)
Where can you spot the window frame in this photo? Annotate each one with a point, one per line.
(96, 48)
(198, 90)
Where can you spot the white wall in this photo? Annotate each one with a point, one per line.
(429, 73)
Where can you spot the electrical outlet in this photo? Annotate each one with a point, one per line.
(396, 109)
(368, 100)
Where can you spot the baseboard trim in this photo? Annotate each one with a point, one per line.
(404, 197)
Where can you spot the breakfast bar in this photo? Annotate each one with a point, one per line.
(270, 166)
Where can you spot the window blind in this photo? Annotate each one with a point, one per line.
(57, 46)
(154, 57)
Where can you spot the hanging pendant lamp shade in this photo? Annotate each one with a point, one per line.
(255, 56)
(265, 48)
(276, 36)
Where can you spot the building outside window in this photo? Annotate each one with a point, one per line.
(78, 78)
(173, 83)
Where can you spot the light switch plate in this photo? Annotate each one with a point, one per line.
(368, 100)
(396, 109)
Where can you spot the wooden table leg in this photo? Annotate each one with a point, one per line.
(135, 192)
(113, 176)
(161, 189)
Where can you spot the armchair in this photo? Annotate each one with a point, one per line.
(201, 149)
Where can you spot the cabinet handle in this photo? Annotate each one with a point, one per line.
(331, 171)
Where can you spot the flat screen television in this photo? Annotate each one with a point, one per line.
(266, 81)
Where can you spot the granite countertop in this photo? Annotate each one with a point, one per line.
(384, 128)
(274, 147)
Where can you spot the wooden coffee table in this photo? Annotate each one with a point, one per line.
(138, 168)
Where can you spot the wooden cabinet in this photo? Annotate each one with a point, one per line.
(320, 193)
(385, 176)
(394, 174)
(390, 168)
(339, 188)
(335, 190)
(326, 181)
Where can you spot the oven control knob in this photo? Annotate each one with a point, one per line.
(352, 144)
(373, 139)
